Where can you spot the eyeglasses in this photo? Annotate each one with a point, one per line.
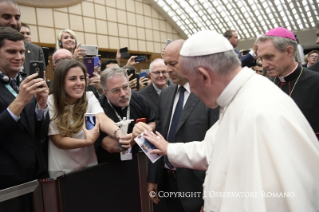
(125, 88)
(157, 73)
(63, 58)
(314, 56)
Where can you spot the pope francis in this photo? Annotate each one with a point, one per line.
(261, 155)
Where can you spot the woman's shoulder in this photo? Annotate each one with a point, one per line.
(89, 94)
(50, 99)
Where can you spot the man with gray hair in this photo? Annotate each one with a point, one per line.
(159, 77)
(120, 101)
(261, 154)
(277, 50)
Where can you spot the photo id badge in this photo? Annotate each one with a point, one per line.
(127, 155)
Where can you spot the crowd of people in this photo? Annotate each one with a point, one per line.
(222, 128)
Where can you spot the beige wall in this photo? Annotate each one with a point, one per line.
(110, 24)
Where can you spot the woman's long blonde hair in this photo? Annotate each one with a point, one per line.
(68, 121)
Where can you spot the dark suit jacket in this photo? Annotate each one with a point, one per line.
(21, 151)
(245, 61)
(32, 53)
(151, 96)
(195, 120)
(314, 67)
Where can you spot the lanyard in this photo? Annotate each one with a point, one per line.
(118, 116)
(14, 93)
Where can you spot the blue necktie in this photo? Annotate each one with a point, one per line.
(175, 119)
(14, 85)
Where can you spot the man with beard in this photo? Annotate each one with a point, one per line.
(10, 17)
(120, 101)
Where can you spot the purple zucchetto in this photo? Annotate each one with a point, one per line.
(281, 32)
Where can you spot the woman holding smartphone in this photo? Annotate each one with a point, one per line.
(70, 144)
(67, 40)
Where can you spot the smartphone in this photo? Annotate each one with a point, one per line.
(125, 53)
(129, 72)
(90, 120)
(141, 58)
(143, 74)
(37, 67)
(46, 52)
(92, 50)
(137, 76)
(168, 42)
(89, 63)
(96, 61)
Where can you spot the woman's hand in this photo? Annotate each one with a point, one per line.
(79, 52)
(92, 135)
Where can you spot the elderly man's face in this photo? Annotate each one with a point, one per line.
(276, 63)
(158, 75)
(118, 91)
(61, 55)
(198, 84)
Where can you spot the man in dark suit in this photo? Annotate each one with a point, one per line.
(24, 121)
(195, 119)
(249, 58)
(10, 17)
(159, 77)
(315, 67)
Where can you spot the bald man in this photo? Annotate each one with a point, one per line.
(194, 120)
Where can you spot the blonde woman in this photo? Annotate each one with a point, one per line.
(67, 40)
(70, 144)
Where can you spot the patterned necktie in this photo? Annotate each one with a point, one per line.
(13, 83)
(175, 119)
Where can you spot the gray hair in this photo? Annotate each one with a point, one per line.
(155, 61)
(110, 73)
(280, 43)
(220, 63)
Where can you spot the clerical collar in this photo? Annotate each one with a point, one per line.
(120, 111)
(292, 75)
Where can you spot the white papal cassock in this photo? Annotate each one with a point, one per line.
(261, 155)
